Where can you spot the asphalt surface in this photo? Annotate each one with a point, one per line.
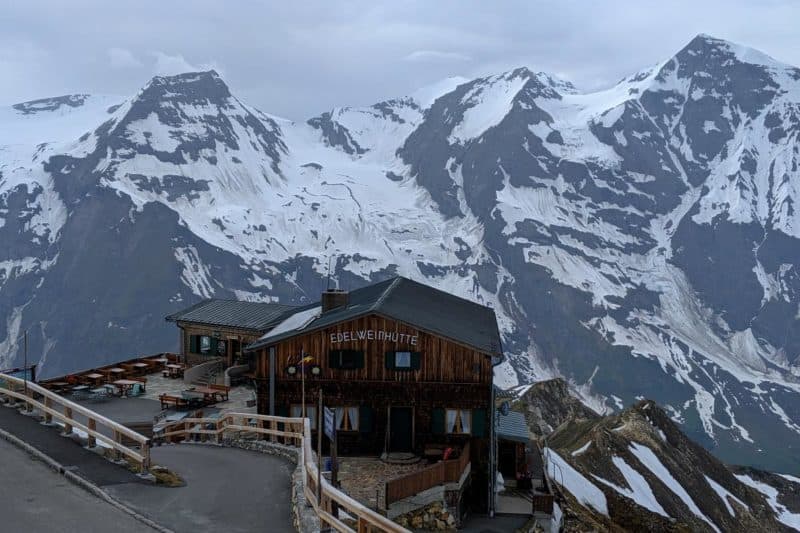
(498, 524)
(35, 499)
(227, 489)
(64, 450)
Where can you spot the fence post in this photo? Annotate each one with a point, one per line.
(146, 456)
(117, 440)
(68, 416)
(48, 402)
(91, 441)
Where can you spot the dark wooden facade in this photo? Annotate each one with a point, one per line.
(450, 375)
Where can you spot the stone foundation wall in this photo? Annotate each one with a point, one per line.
(433, 517)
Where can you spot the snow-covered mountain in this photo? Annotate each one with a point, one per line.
(641, 241)
(636, 471)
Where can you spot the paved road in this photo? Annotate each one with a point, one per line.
(227, 489)
(34, 499)
(63, 449)
(498, 524)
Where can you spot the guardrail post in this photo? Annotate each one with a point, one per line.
(146, 456)
(92, 441)
(117, 440)
(68, 416)
(48, 402)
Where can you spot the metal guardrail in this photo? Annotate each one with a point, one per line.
(54, 406)
(296, 431)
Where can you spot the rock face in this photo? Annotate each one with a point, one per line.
(636, 471)
(640, 241)
(549, 404)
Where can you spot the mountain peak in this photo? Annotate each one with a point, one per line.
(717, 50)
(202, 84)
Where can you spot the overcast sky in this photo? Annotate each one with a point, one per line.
(297, 59)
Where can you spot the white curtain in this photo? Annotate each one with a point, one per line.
(352, 413)
(339, 417)
(296, 411)
(466, 420)
(451, 420)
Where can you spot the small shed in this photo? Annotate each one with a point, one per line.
(512, 438)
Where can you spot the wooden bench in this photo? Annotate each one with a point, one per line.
(222, 393)
(168, 400)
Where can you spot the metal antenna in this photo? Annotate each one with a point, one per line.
(328, 286)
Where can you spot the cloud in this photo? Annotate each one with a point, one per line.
(122, 58)
(430, 56)
(168, 65)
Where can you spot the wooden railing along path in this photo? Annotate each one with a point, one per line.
(297, 432)
(449, 471)
(54, 406)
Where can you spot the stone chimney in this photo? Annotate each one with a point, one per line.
(333, 299)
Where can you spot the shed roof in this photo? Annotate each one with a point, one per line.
(411, 302)
(258, 316)
(512, 427)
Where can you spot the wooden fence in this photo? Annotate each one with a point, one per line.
(449, 471)
(296, 431)
(54, 406)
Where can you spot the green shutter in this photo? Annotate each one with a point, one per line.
(365, 419)
(194, 344)
(333, 359)
(415, 360)
(212, 350)
(281, 410)
(359, 360)
(437, 421)
(390, 360)
(478, 422)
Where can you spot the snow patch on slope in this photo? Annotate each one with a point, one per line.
(783, 514)
(639, 491)
(651, 461)
(575, 483)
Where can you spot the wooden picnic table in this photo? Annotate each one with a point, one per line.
(117, 371)
(173, 370)
(208, 393)
(94, 378)
(58, 386)
(125, 385)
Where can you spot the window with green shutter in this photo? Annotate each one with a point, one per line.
(437, 421)
(194, 344)
(365, 419)
(346, 359)
(281, 410)
(403, 360)
(478, 422)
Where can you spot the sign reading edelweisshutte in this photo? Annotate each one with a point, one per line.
(374, 335)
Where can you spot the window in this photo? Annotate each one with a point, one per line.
(402, 359)
(347, 418)
(458, 421)
(205, 344)
(296, 411)
(346, 359)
